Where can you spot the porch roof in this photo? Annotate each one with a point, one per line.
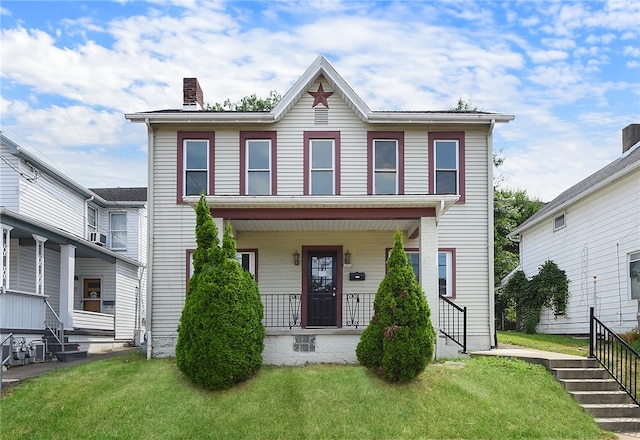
(327, 213)
(24, 227)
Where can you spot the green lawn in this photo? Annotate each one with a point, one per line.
(556, 343)
(127, 397)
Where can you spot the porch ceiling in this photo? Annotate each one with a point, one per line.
(327, 213)
(323, 225)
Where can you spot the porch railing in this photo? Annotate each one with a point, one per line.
(285, 309)
(3, 358)
(615, 355)
(452, 322)
(53, 323)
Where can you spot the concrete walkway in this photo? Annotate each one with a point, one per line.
(16, 374)
(541, 357)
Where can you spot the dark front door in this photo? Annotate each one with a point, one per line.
(322, 283)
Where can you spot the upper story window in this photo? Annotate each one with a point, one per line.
(386, 162)
(118, 229)
(195, 163)
(447, 164)
(558, 222)
(258, 163)
(92, 220)
(322, 163)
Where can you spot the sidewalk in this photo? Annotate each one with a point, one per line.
(16, 374)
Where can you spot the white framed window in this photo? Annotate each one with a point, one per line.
(447, 166)
(92, 220)
(559, 222)
(196, 166)
(385, 166)
(446, 263)
(248, 260)
(634, 275)
(414, 260)
(118, 229)
(322, 166)
(258, 154)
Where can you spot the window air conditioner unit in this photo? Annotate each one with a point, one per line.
(97, 238)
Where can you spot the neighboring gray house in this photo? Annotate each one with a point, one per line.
(71, 257)
(315, 190)
(592, 232)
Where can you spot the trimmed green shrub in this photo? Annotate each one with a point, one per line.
(221, 336)
(399, 341)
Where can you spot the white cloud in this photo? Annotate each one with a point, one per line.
(396, 56)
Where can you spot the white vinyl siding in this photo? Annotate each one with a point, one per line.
(603, 232)
(465, 227)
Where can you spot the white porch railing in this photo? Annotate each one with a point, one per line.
(93, 320)
(24, 310)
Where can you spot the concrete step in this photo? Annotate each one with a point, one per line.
(66, 356)
(601, 410)
(555, 364)
(590, 384)
(581, 373)
(620, 424)
(601, 396)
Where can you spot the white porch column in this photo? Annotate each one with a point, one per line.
(5, 249)
(429, 265)
(39, 263)
(67, 275)
(219, 222)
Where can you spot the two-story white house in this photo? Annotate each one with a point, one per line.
(592, 232)
(314, 190)
(72, 258)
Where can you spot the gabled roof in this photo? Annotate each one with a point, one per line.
(135, 198)
(628, 163)
(122, 194)
(320, 67)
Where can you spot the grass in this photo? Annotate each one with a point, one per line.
(127, 397)
(555, 343)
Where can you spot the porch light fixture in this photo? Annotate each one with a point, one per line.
(347, 257)
(296, 258)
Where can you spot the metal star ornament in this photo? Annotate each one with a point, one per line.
(320, 97)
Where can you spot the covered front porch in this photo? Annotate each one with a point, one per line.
(318, 263)
(55, 282)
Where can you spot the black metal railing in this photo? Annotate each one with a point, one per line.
(452, 322)
(283, 310)
(615, 355)
(357, 309)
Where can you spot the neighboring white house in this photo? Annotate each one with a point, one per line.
(315, 190)
(592, 232)
(71, 256)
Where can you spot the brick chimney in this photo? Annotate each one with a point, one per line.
(630, 136)
(192, 94)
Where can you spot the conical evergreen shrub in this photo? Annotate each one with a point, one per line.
(400, 339)
(221, 336)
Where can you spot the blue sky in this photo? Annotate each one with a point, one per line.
(569, 71)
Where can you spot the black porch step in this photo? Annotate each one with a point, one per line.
(72, 355)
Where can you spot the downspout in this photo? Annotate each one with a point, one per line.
(150, 236)
(490, 234)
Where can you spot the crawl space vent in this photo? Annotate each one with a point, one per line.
(304, 344)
